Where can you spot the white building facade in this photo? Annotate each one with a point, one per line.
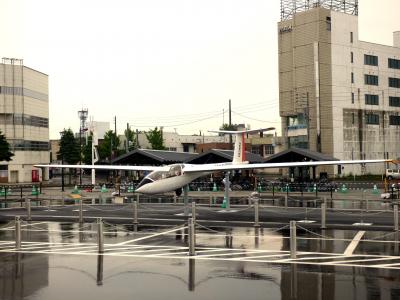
(338, 95)
(24, 119)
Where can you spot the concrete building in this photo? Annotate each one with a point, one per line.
(338, 95)
(24, 119)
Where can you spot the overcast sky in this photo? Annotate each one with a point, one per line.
(169, 63)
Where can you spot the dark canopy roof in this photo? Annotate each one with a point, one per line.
(298, 154)
(219, 156)
(152, 157)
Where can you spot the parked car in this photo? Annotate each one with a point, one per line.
(392, 174)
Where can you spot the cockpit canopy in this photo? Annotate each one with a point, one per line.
(174, 170)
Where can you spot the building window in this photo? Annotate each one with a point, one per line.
(372, 119)
(370, 60)
(371, 99)
(371, 79)
(394, 101)
(352, 118)
(394, 120)
(394, 63)
(269, 149)
(352, 98)
(352, 77)
(352, 57)
(351, 37)
(394, 82)
(328, 24)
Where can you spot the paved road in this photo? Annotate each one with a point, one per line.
(238, 215)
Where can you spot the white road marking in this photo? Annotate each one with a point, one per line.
(151, 236)
(350, 248)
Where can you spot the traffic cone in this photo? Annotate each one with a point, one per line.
(215, 188)
(223, 205)
(375, 191)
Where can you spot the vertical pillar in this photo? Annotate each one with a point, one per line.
(396, 217)
(323, 215)
(80, 210)
(192, 242)
(211, 200)
(286, 200)
(227, 187)
(174, 198)
(185, 199)
(256, 213)
(135, 213)
(293, 240)
(17, 233)
(194, 212)
(100, 236)
(137, 198)
(28, 209)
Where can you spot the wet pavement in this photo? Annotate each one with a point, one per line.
(60, 260)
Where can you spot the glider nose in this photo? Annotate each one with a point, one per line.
(141, 186)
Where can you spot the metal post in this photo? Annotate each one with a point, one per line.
(135, 213)
(194, 212)
(396, 217)
(256, 213)
(323, 215)
(273, 191)
(28, 209)
(211, 200)
(137, 198)
(17, 233)
(174, 198)
(293, 245)
(100, 236)
(286, 201)
(192, 251)
(185, 199)
(227, 186)
(80, 210)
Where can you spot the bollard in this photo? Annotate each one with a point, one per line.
(323, 215)
(28, 209)
(17, 233)
(396, 217)
(80, 210)
(100, 236)
(194, 212)
(256, 213)
(286, 201)
(135, 213)
(192, 242)
(293, 245)
(137, 198)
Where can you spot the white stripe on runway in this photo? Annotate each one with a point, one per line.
(354, 243)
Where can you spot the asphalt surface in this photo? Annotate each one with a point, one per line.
(242, 215)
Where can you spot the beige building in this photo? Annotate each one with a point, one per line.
(338, 95)
(24, 119)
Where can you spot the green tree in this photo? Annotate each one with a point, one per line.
(130, 137)
(108, 149)
(155, 138)
(87, 151)
(69, 148)
(5, 153)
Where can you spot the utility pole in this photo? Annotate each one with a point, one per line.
(83, 115)
(115, 125)
(127, 139)
(230, 125)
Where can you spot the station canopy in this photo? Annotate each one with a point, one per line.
(298, 155)
(219, 156)
(152, 157)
